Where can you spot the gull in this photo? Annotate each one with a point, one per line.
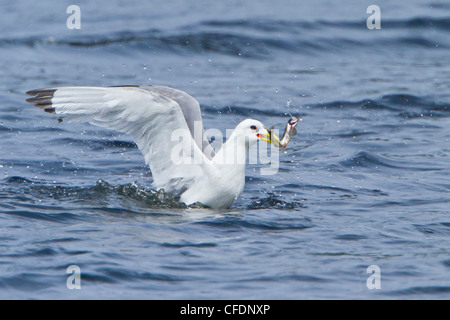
(187, 167)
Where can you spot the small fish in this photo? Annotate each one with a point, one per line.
(289, 131)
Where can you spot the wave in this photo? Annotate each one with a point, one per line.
(273, 25)
(368, 160)
(404, 105)
(30, 190)
(400, 104)
(294, 223)
(21, 190)
(17, 180)
(435, 23)
(257, 38)
(60, 217)
(424, 291)
(363, 159)
(442, 228)
(273, 202)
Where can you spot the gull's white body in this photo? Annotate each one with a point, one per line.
(150, 115)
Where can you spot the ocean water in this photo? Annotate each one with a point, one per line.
(365, 182)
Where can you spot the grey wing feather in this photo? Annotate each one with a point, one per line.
(192, 114)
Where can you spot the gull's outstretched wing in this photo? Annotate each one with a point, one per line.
(148, 116)
(192, 114)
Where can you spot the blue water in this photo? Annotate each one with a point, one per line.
(365, 182)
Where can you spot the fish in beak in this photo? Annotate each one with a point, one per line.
(270, 137)
(289, 131)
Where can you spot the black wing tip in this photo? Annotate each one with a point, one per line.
(41, 92)
(125, 86)
(50, 110)
(42, 98)
(40, 101)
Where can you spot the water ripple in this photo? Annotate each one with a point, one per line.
(364, 159)
(251, 38)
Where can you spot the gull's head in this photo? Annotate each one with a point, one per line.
(254, 130)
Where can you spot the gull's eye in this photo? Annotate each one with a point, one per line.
(253, 127)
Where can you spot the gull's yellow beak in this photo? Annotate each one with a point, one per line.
(270, 137)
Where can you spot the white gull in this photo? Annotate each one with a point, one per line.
(150, 114)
